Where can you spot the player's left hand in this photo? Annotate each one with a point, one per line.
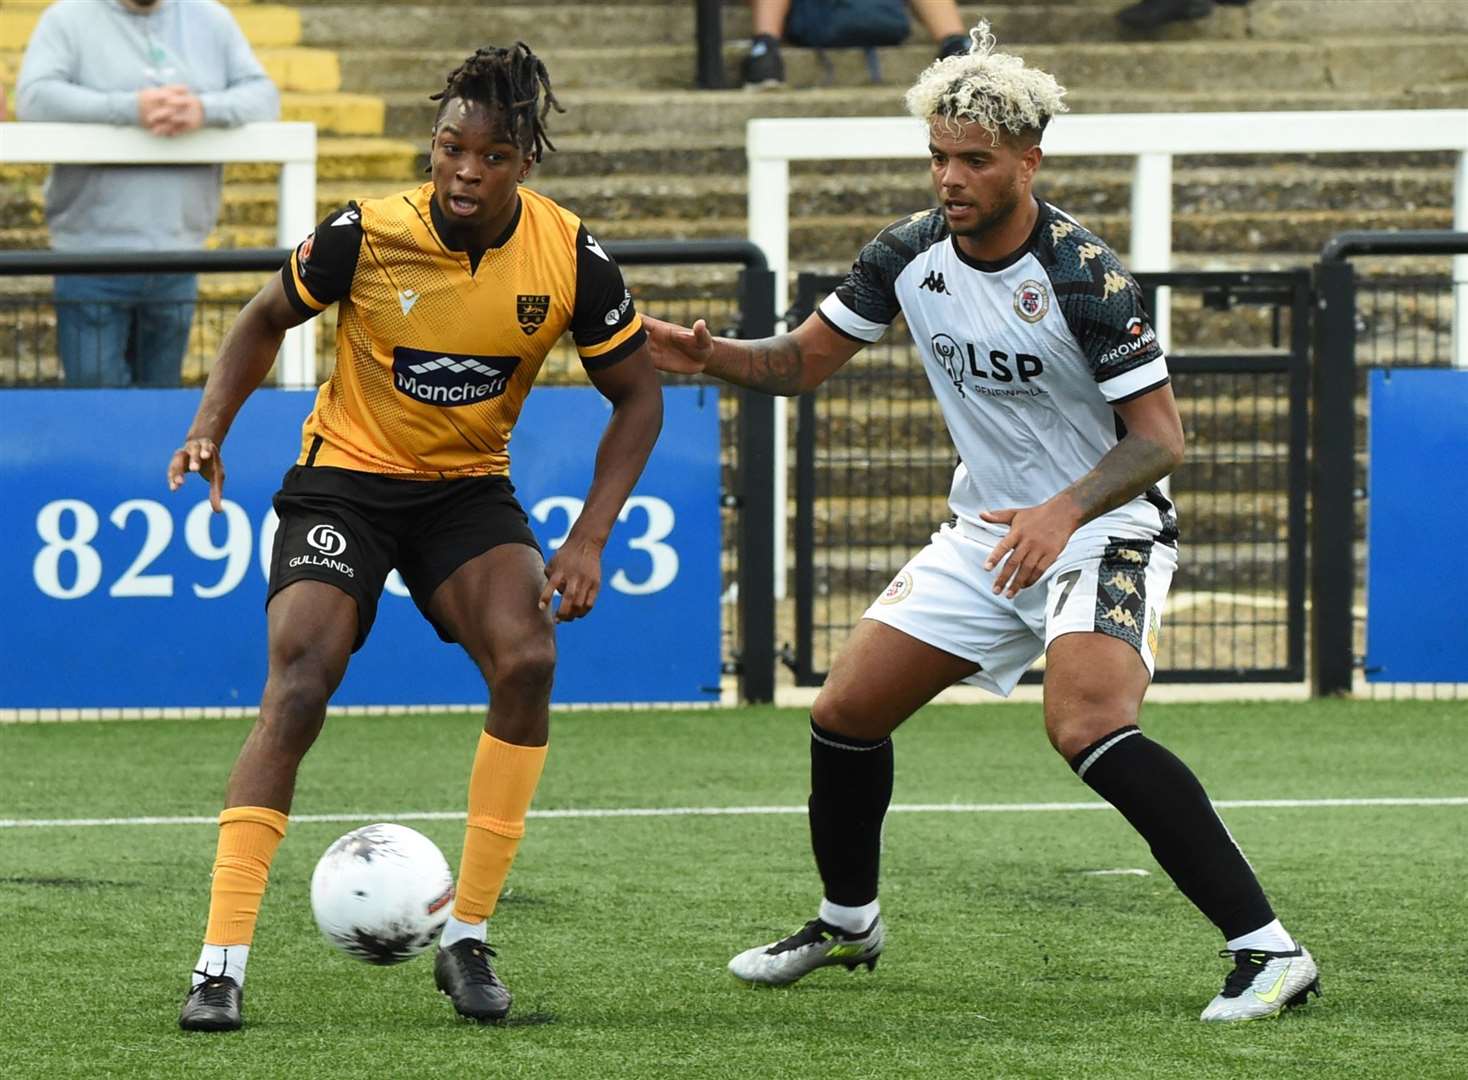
(574, 572)
(1037, 535)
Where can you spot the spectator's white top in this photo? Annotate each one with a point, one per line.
(1026, 356)
(85, 64)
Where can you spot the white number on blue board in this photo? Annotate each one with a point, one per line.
(69, 526)
(47, 567)
(660, 522)
(159, 530)
(235, 551)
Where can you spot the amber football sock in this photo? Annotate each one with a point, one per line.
(248, 837)
(500, 789)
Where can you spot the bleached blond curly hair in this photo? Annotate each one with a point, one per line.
(993, 89)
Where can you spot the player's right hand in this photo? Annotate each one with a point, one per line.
(200, 456)
(678, 349)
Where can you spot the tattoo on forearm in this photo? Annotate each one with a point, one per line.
(1127, 470)
(775, 365)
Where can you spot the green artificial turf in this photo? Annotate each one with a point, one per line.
(1004, 957)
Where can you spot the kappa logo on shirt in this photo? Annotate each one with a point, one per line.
(934, 283)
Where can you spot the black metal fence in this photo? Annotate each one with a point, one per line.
(874, 461)
(1371, 315)
(726, 282)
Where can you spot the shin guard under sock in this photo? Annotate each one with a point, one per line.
(850, 787)
(1163, 801)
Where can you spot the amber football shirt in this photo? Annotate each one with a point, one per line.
(436, 352)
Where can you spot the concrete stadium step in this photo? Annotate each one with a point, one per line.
(650, 112)
(336, 113)
(337, 159)
(1239, 467)
(839, 238)
(429, 26)
(1391, 62)
(1081, 192)
(263, 24)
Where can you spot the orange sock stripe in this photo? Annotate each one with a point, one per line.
(500, 789)
(248, 837)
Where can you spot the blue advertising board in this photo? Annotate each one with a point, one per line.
(117, 593)
(1416, 588)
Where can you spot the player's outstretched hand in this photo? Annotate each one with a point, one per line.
(574, 572)
(1037, 535)
(199, 456)
(679, 349)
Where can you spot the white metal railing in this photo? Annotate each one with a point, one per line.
(292, 145)
(1151, 139)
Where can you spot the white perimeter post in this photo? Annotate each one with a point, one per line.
(293, 145)
(1152, 231)
(769, 186)
(1460, 263)
(1152, 242)
(294, 218)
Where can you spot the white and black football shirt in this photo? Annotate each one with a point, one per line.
(1026, 355)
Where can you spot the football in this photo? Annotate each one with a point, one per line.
(382, 893)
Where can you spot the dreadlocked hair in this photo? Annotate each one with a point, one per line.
(512, 80)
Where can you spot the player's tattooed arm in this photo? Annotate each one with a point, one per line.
(1129, 468)
(774, 365)
(1151, 448)
(785, 365)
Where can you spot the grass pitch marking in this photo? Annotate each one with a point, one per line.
(738, 811)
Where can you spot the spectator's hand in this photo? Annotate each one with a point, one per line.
(200, 456)
(169, 110)
(677, 348)
(575, 573)
(187, 115)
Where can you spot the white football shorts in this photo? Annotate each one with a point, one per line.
(944, 597)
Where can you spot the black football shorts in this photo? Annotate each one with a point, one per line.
(350, 529)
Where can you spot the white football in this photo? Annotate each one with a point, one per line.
(382, 893)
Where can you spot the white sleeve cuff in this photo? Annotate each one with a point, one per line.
(849, 322)
(1138, 380)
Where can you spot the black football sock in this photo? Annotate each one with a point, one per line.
(850, 787)
(1164, 802)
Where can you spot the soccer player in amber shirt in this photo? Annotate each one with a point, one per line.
(450, 296)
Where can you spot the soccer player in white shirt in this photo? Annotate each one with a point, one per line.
(1055, 390)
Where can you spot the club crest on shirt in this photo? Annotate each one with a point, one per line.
(531, 310)
(899, 590)
(1031, 301)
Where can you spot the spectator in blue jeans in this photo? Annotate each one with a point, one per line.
(169, 67)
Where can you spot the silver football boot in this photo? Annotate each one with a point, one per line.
(814, 945)
(1264, 984)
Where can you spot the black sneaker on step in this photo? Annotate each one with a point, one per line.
(463, 972)
(212, 1005)
(763, 68)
